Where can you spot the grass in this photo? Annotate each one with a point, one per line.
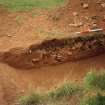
(19, 20)
(95, 80)
(59, 96)
(21, 5)
(31, 99)
(95, 100)
(62, 92)
(49, 34)
(34, 14)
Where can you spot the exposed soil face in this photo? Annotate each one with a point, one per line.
(55, 51)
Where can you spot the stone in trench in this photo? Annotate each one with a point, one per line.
(103, 5)
(99, 2)
(35, 60)
(9, 35)
(78, 45)
(94, 17)
(94, 25)
(73, 48)
(78, 24)
(30, 51)
(85, 5)
(59, 58)
(75, 13)
(104, 18)
(69, 53)
(86, 17)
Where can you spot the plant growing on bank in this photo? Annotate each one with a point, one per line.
(95, 100)
(23, 5)
(58, 96)
(64, 91)
(95, 81)
(19, 20)
(32, 99)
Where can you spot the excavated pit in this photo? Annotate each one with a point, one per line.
(55, 51)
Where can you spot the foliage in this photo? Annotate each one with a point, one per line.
(96, 100)
(62, 94)
(95, 80)
(32, 99)
(19, 20)
(18, 5)
(64, 91)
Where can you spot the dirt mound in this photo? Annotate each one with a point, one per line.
(81, 15)
(55, 51)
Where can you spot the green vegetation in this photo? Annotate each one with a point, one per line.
(32, 99)
(34, 14)
(95, 100)
(19, 20)
(64, 91)
(18, 5)
(95, 80)
(55, 97)
(67, 92)
(49, 34)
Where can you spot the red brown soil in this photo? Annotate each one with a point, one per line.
(29, 29)
(55, 51)
(74, 12)
(21, 29)
(44, 78)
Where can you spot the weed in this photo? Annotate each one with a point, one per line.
(23, 5)
(19, 20)
(63, 92)
(32, 99)
(51, 98)
(49, 34)
(67, 91)
(95, 80)
(56, 18)
(95, 100)
(35, 14)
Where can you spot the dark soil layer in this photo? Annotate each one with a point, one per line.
(56, 51)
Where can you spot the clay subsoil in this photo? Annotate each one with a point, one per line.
(21, 45)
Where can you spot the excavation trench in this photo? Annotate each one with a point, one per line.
(55, 51)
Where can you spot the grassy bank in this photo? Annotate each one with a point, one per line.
(91, 93)
(58, 96)
(18, 5)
